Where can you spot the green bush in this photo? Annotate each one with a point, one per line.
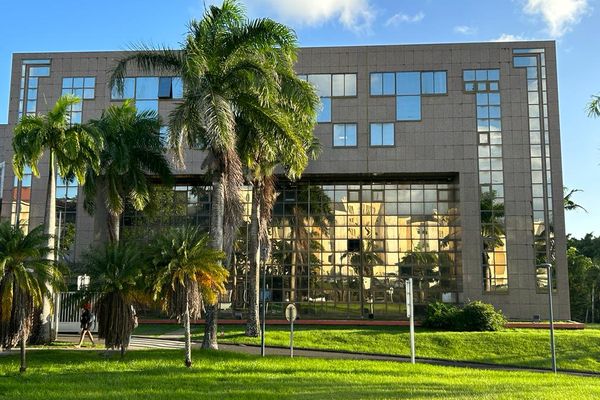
(480, 316)
(475, 316)
(440, 315)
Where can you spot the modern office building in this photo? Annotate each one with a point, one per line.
(440, 162)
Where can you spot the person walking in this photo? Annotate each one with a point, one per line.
(86, 320)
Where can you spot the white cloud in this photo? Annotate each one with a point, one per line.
(354, 15)
(400, 18)
(507, 37)
(465, 30)
(559, 15)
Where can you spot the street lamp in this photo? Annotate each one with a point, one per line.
(548, 268)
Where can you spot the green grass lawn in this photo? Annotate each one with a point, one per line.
(578, 350)
(65, 375)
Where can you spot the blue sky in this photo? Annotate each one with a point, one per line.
(68, 25)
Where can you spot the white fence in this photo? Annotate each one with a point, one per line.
(68, 307)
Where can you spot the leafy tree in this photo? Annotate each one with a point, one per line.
(116, 272)
(72, 149)
(584, 279)
(132, 151)
(227, 65)
(588, 246)
(25, 281)
(186, 272)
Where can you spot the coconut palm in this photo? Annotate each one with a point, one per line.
(283, 137)
(570, 204)
(492, 231)
(72, 149)
(593, 107)
(26, 277)
(227, 66)
(186, 273)
(116, 272)
(132, 152)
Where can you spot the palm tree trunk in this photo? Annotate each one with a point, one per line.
(100, 214)
(216, 234)
(253, 324)
(23, 358)
(50, 230)
(188, 336)
(112, 224)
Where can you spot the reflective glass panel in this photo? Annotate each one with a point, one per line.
(408, 108)
(146, 88)
(408, 83)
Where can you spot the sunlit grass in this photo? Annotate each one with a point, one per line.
(62, 374)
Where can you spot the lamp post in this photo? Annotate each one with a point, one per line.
(264, 301)
(548, 268)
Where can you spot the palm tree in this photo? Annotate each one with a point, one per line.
(282, 137)
(132, 151)
(492, 231)
(569, 204)
(25, 281)
(116, 272)
(70, 147)
(363, 262)
(227, 66)
(186, 273)
(593, 107)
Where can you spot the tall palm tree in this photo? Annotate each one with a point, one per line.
(186, 273)
(71, 148)
(25, 281)
(492, 231)
(116, 272)
(225, 62)
(132, 151)
(282, 137)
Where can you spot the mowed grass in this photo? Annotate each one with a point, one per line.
(576, 350)
(160, 374)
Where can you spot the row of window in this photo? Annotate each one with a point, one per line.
(345, 135)
(408, 83)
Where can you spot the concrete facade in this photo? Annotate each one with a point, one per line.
(443, 143)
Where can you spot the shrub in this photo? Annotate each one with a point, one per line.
(440, 315)
(480, 316)
(475, 316)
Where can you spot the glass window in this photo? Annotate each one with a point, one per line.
(427, 82)
(88, 94)
(408, 108)
(128, 90)
(525, 61)
(89, 82)
(39, 71)
(337, 81)
(468, 75)
(389, 83)
(382, 134)
(177, 88)
(146, 88)
(146, 105)
(440, 82)
(493, 75)
(322, 82)
(325, 112)
(350, 84)
(77, 82)
(408, 83)
(376, 84)
(164, 88)
(344, 135)
(67, 83)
